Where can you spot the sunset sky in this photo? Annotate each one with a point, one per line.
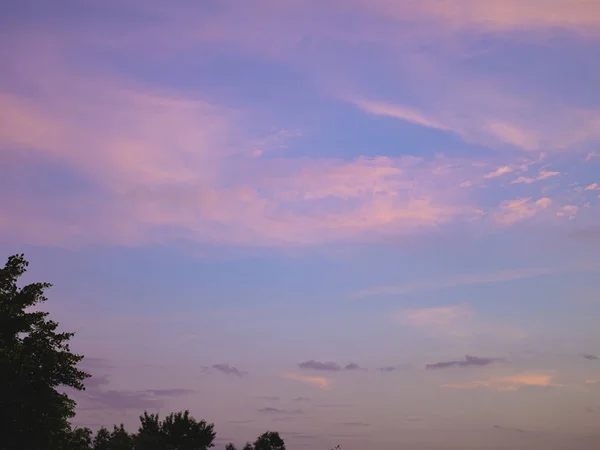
(373, 223)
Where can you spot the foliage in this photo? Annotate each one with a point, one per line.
(35, 362)
(102, 440)
(178, 431)
(269, 440)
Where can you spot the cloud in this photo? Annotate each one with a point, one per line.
(399, 112)
(302, 399)
(511, 383)
(569, 211)
(163, 164)
(489, 15)
(498, 172)
(96, 381)
(592, 187)
(469, 361)
(316, 365)
(90, 363)
(120, 399)
(277, 411)
(518, 430)
(387, 369)
(522, 179)
(512, 211)
(320, 382)
(354, 367)
(228, 370)
(127, 399)
(545, 174)
(456, 281)
(456, 322)
(170, 392)
(501, 124)
(589, 357)
(542, 175)
(439, 316)
(329, 366)
(355, 424)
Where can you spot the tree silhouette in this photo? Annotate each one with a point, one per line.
(102, 440)
(35, 361)
(269, 440)
(79, 439)
(178, 431)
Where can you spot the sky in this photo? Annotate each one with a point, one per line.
(372, 223)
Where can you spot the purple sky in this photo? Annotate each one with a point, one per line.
(372, 223)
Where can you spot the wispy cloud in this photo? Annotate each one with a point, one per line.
(511, 383)
(95, 398)
(512, 211)
(498, 172)
(542, 175)
(469, 361)
(355, 424)
(457, 321)
(460, 280)
(399, 112)
(589, 357)
(320, 382)
(490, 16)
(96, 381)
(277, 411)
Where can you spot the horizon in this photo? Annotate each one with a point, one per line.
(365, 223)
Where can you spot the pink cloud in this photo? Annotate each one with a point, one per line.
(513, 211)
(498, 172)
(511, 383)
(457, 321)
(399, 112)
(490, 15)
(569, 211)
(167, 166)
(320, 382)
(434, 317)
(169, 162)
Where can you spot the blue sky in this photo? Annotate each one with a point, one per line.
(236, 200)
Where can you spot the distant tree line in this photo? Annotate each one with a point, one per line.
(35, 361)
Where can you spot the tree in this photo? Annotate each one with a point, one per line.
(178, 431)
(79, 439)
(120, 439)
(35, 362)
(102, 440)
(247, 446)
(269, 440)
